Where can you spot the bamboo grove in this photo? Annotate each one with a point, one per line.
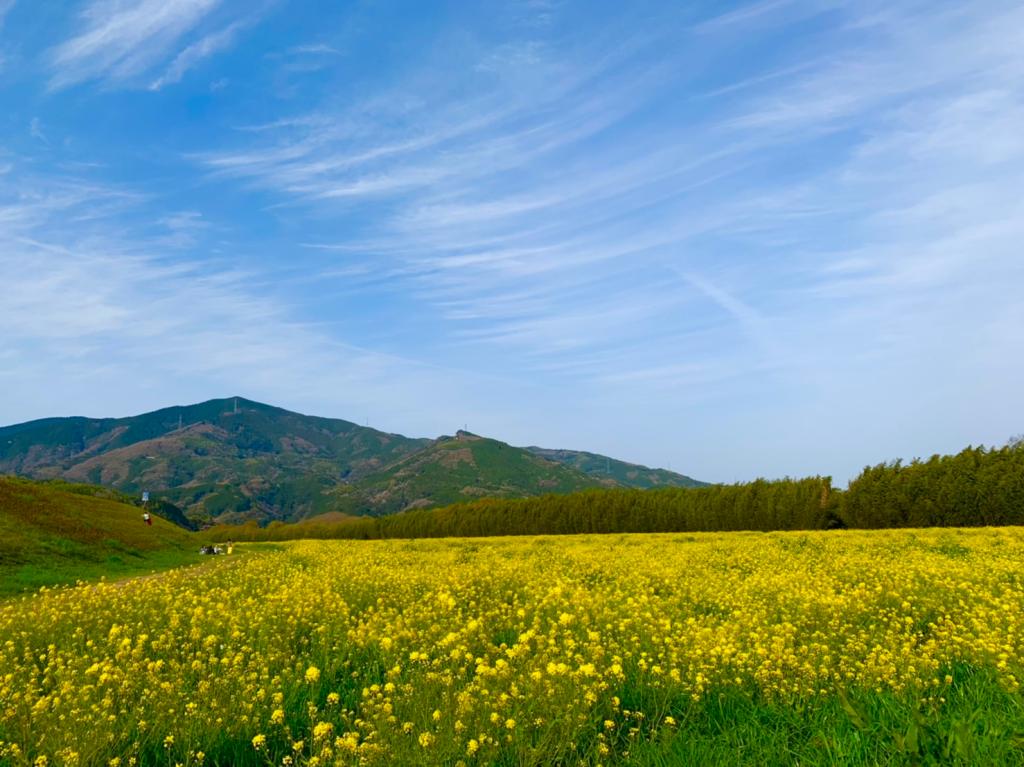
(977, 487)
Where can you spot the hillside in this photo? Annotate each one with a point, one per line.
(234, 460)
(157, 506)
(625, 474)
(231, 459)
(461, 468)
(49, 535)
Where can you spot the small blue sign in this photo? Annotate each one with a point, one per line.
(145, 496)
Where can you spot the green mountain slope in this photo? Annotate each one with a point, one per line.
(460, 468)
(49, 535)
(234, 460)
(230, 459)
(625, 474)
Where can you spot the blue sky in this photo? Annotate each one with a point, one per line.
(734, 239)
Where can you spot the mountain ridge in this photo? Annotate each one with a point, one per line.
(625, 472)
(461, 468)
(234, 459)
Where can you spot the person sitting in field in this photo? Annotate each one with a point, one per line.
(146, 518)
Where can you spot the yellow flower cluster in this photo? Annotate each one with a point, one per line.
(518, 650)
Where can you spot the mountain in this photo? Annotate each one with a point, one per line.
(461, 468)
(626, 474)
(230, 459)
(233, 460)
(50, 535)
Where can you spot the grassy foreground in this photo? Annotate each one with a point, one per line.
(51, 536)
(896, 647)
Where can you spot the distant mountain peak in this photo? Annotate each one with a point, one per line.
(623, 472)
(232, 459)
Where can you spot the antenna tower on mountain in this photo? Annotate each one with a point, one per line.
(236, 405)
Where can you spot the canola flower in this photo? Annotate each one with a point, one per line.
(519, 650)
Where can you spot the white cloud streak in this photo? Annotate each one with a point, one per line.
(122, 39)
(196, 52)
(811, 207)
(117, 321)
(825, 241)
(5, 8)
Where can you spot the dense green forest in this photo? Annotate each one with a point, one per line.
(978, 486)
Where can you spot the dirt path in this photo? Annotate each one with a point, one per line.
(193, 570)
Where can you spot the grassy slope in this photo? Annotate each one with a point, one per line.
(159, 506)
(49, 536)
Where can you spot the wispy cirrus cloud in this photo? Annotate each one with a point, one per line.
(449, 172)
(99, 296)
(735, 226)
(196, 52)
(314, 49)
(840, 190)
(120, 41)
(5, 8)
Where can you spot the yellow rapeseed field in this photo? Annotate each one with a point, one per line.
(513, 651)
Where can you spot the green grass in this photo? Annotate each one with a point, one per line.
(31, 577)
(50, 536)
(977, 727)
(977, 723)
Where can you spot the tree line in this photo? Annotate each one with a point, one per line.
(978, 486)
